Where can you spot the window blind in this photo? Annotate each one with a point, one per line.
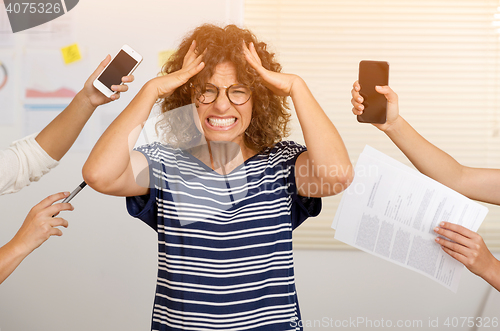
(444, 64)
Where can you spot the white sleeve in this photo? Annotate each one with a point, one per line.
(24, 162)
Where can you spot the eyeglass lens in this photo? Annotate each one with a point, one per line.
(238, 94)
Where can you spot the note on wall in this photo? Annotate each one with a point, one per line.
(71, 53)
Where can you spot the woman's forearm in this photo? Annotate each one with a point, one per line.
(476, 183)
(58, 137)
(492, 275)
(427, 158)
(11, 255)
(328, 155)
(60, 134)
(110, 157)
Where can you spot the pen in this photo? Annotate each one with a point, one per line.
(74, 193)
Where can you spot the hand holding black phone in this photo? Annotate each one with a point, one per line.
(371, 74)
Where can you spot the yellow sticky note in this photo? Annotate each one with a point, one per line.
(71, 53)
(164, 56)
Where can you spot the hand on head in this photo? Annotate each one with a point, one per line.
(39, 225)
(281, 84)
(392, 104)
(191, 65)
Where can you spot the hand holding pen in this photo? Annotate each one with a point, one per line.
(37, 227)
(73, 194)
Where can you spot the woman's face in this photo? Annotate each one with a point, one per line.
(222, 120)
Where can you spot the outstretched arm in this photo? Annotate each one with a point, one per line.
(112, 167)
(469, 248)
(475, 183)
(325, 168)
(60, 134)
(38, 226)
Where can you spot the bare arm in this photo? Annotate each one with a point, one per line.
(60, 134)
(325, 168)
(38, 226)
(475, 183)
(112, 167)
(108, 168)
(326, 159)
(469, 248)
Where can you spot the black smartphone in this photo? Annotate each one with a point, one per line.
(371, 74)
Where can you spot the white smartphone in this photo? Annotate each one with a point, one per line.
(123, 64)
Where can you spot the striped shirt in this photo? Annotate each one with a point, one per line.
(225, 257)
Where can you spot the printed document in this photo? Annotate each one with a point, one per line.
(390, 210)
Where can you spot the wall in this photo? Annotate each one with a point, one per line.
(361, 292)
(100, 275)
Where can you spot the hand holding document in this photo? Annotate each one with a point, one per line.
(390, 210)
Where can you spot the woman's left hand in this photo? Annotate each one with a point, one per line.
(281, 84)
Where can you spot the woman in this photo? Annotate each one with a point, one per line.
(224, 223)
(28, 159)
(479, 184)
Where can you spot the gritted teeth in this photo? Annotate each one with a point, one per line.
(221, 121)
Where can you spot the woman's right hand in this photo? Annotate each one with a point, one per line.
(39, 225)
(165, 85)
(392, 104)
(467, 247)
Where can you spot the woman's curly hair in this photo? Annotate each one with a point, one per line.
(270, 116)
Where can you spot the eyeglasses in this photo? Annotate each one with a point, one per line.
(238, 94)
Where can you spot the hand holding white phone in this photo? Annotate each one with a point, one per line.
(123, 64)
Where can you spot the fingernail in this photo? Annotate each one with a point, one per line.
(436, 229)
(66, 194)
(360, 100)
(437, 239)
(442, 224)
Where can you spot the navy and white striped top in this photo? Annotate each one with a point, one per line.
(225, 257)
